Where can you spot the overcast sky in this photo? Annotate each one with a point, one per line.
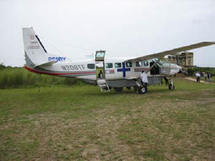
(76, 28)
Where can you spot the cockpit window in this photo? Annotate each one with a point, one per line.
(109, 65)
(128, 64)
(118, 65)
(91, 66)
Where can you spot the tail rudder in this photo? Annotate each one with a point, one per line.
(35, 52)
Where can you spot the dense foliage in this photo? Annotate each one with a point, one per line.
(19, 77)
(192, 71)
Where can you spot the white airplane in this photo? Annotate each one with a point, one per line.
(106, 73)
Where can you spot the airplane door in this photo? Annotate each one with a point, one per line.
(100, 65)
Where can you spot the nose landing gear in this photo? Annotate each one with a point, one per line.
(171, 85)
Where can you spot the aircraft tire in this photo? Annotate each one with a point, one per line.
(142, 90)
(118, 89)
(171, 87)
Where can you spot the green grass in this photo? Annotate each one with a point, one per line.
(20, 77)
(80, 123)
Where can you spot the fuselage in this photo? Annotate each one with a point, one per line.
(115, 68)
(106, 73)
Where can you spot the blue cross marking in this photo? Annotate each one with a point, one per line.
(123, 69)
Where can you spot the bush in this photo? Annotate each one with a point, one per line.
(192, 71)
(2, 66)
(19, 77)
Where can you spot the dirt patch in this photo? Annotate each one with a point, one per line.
(192, 79)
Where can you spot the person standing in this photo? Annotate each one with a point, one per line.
(100, 75)
(209, 76)
(144, 77)
(205, 75)
(198, 77)
(144, 80)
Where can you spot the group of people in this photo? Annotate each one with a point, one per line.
(206, 75)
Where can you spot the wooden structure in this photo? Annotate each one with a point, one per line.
(184, 59)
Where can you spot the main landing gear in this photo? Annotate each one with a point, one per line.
(140, 88)
(171, 86)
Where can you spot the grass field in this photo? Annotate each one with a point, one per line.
(80, 123)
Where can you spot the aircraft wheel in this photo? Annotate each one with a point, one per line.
(142, 90)
(171, 87)
(118, 89)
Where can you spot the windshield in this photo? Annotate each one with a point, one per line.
(159, 62)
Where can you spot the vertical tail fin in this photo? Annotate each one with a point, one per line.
(35, 52)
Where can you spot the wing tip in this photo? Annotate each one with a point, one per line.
(209, 42)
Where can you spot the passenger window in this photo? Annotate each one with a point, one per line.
(146, 63)
(138, 64)
(109, 65)
(128, 64)
(118, 65)
(91, 66)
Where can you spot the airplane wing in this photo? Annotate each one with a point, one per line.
(172, 52)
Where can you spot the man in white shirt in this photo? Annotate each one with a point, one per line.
(198, 77)
(144, 80)
(144, 77)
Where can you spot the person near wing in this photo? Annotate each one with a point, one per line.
(144, 80)
(144, 77)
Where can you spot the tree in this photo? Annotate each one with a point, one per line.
(2, 66)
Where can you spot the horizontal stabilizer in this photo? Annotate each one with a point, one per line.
(35, 60)
(46, 64)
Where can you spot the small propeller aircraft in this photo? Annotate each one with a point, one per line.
(106, 73)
